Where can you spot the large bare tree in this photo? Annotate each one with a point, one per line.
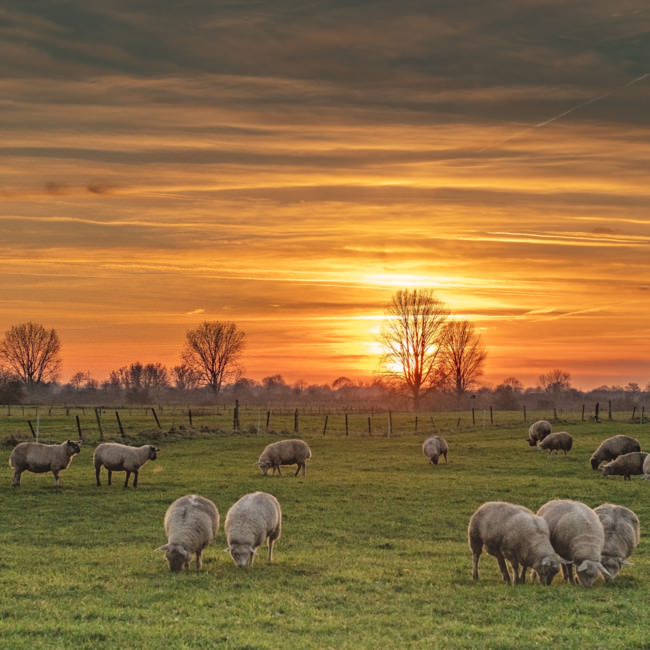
(411, 336)
(462, 356)
(212, 350)
(31, 353)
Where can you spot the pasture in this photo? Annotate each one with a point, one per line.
(373, 551)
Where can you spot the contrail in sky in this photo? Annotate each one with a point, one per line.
(572, 109)
(589, 101)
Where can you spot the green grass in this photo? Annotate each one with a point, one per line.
(373, 553)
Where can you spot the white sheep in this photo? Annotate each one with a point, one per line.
(625, 465)
(38, 457)
(191, 522)
(284, 452)
(514, 533)
(538, 431)
(578, 537)
(646, 468)
(622, 535)
(613, 447)
(559, 441)
(252, 520)
(433, 448)
(116, 457)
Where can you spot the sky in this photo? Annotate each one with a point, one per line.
(289, 165)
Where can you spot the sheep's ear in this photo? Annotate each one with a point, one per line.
(603, 570)
(163, 548)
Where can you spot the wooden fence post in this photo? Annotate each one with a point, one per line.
(79, 427)
(609, 409)
(596, 410)
(235, 417)
(390, 424)
(99, 424)
(524, 413)
(31, 428)
(347, 431)
(189, 417)
(491, 416)
(325, 425)
(369, 426)
(295, 421)
(155, 417)
(119, 423)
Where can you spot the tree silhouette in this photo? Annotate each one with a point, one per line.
(411, 336)
(211, 351)
(462, 355)
(31, 353)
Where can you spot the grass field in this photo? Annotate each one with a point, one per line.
(373, 553)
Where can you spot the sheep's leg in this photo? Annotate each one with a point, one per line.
(270, 543)
(300, 466)
(504, 569)
(475, 559)
(135, 478)
(522, 576)
(110, 476)
(199, 560)
(56, 477)
(126, 481)
(445, 455)
(97, 470)
(278, 468)
(16, 479)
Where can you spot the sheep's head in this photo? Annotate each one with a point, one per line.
(72, 447)
(177, 556)
(589, 570)
(242, 554)
(547, 569)
(153, 452)
(594, 462)
(265, 465)
(613, 564)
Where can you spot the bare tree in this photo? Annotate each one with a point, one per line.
(462, 355)
(555, 381)
(211, 351)
(185, 378)
(31, 353)
(411, 336)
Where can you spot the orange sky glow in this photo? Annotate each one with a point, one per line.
(290, 172)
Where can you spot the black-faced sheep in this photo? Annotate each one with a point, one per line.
(514, 533)
(622, 535)
(284, 452)
(559, 441)
(116, 457)
(433, 448)
(646, 468)
(252, 520)
(577, 535)
(38, 458)
(191, 522)
(538, 431)
(612, 448)
(625, 465)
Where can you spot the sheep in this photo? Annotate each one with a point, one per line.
(512, 532)
(622, 534)
(433, 448)
(284, 452)
(38, 458)
(627, 464)
(250, 521)
(646, 469)
(116, 457)
(578, 537)
(538, 431)
(612, 448)
(559, 441)
(190, 522)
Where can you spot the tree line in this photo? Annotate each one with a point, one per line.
(430, 359)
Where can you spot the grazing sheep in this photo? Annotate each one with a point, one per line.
(538, 431)
(38, 458)
(191, 522)
(116, 457)
(578, 536)
(514, 533)
(433, 448)
(627, 464)
(256, 517)
(646, 468)
(612, 448)
(560, 441)
(622, 534)
(284, 452)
